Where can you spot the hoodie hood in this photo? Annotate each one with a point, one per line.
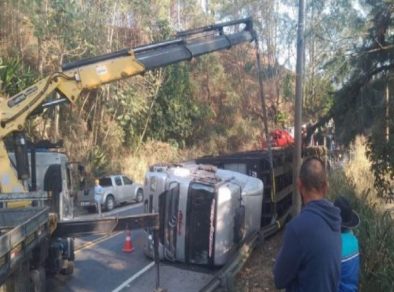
(326, 210)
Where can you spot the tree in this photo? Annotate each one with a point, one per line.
(176, 115)
(359, 105)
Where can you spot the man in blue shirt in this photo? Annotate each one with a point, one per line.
(350, 268)
(310, 257)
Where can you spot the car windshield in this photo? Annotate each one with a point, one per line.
(105, 182)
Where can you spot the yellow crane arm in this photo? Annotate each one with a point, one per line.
(93, 72)
(15, 110)
(71, 83)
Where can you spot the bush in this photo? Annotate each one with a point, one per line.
(136, 164)
(376, 230)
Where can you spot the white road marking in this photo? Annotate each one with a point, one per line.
(134, 277)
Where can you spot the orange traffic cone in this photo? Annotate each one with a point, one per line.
(128, 245)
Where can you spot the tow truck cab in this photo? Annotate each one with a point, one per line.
(51, 171)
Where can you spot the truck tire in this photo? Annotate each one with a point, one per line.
(109, 203)
(140, 195)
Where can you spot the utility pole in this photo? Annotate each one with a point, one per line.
(298, 105)
(387, 113)
(178, 14)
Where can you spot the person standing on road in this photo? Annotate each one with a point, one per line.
(310, 257)
(350, 269)
(98, 194)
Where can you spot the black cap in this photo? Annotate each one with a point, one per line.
(350, 218)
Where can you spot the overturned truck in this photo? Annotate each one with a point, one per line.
(210, 206)
(278, 181)
(205, 213)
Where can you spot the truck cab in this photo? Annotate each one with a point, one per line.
(53, 173)
(205, 213)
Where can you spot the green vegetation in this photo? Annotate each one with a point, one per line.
(200, 105)
(364, 103)
(211, 103)
(376, 231)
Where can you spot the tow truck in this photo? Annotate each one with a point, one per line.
(36, 235)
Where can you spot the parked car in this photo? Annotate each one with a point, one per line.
(118, 189)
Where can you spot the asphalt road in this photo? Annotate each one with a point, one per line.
(101, 265)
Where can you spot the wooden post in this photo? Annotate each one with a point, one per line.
(387, 113)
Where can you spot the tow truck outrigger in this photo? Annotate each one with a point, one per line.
(35, 238)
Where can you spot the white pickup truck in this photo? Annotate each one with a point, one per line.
(118, 189)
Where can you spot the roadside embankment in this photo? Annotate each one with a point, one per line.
(256, 274)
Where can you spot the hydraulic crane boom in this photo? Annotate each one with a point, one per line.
(186, 46)
(93, 72)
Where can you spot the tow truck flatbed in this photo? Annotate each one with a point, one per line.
(21, 230)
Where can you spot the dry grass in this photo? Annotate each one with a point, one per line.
(136, 164)
(376, 231)
(256, 275)
(358, 169)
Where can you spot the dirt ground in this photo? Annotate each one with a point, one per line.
(256, 275)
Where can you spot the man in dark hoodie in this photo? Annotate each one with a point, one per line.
(310, 258)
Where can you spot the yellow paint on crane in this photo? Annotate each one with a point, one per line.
(15, 110)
